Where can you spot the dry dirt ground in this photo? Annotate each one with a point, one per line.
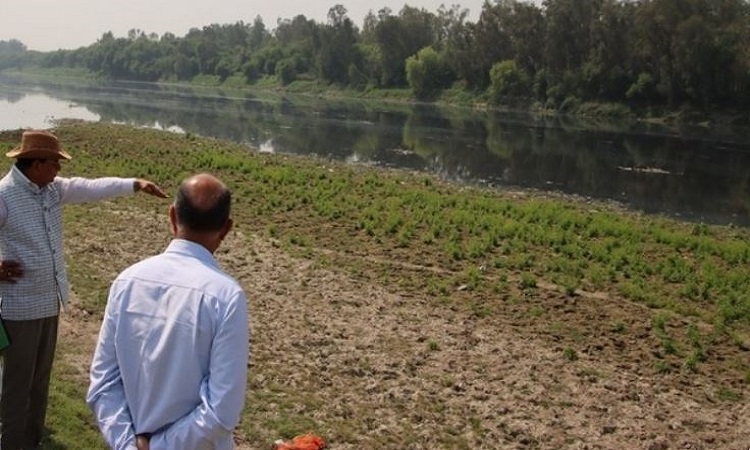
(394, 362)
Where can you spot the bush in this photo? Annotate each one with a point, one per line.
(425, 73)
(285, 71)
(507, 79)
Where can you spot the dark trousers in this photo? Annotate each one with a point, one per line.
(26, 368)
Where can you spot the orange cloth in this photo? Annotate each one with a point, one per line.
(303, 442)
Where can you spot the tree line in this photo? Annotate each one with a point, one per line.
(562, 53)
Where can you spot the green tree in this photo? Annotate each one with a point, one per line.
(338, 46)
(454, 41)
(506, 30)
(568, 41)
(258, 35)
(508, 80)
(285, 71)
(608, 70)
(492, 40)
(693, 48)
(12, 54)
(656, 23)
(706, 51)
(425, 73)
(298, 38)
(399, 37)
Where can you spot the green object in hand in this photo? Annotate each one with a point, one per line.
(4, 338)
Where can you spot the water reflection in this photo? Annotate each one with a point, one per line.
(690, 174)
(38, 111)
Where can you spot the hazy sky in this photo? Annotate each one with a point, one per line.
(53, 24)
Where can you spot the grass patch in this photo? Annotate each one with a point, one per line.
(490, 251)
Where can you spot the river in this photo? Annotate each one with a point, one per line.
(693, 174)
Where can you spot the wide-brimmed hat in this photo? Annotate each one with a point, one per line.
(38, 144)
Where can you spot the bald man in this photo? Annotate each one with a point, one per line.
(170, 367)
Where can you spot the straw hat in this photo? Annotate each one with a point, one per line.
(38, 144)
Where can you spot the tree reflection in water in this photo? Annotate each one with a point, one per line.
(689, 174)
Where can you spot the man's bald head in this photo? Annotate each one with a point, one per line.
(203, 203)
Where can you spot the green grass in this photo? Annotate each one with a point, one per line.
(489, 244)
(70, 424)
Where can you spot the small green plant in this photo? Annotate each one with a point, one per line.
(536, 311)
(590, 373)
(447, 381)
(739, 342)
(433, 345)
(691, 363)
(298, 241)
(528, 281)
(729, 395)
(669, 346)
(660, 323)
(570, 354)
(474, 276)
(618, 327)
(694, 336)
(481, 311)
(662, 367)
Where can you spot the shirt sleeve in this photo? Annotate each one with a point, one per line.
(222, 393)
(106, 394)
(78, 190)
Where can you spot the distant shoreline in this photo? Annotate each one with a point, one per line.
(672, 120)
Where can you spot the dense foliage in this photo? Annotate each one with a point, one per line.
(642, 52)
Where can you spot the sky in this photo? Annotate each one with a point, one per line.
(47, 25)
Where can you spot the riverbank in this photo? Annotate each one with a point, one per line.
(393, 310)
(595, 113)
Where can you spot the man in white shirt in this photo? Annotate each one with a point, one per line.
(170, 368)
(33, 278)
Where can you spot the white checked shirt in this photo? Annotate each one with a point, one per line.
(31, 233)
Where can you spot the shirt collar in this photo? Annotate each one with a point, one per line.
(190, 248)
(21, 178)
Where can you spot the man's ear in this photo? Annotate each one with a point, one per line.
(173, 220)
(227, 228)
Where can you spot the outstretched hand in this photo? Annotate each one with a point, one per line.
(150, 188)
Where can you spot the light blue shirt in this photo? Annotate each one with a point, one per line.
(172, 354)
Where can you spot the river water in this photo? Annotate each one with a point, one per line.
(693, 174)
